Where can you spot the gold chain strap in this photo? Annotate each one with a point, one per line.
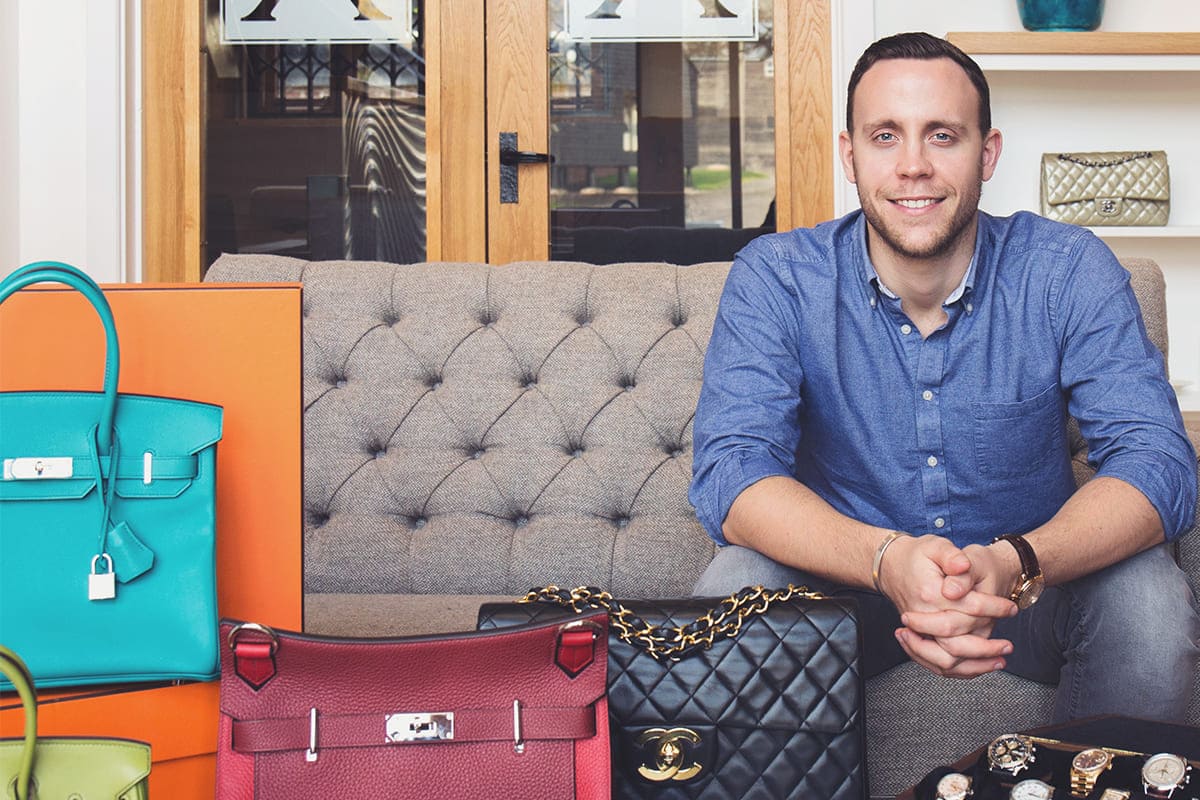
(1083, 162)
(679, 641)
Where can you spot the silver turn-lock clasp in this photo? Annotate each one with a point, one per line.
(102, 585)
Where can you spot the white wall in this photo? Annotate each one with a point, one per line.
(9, 135)
(1062, 111)
(63, 116)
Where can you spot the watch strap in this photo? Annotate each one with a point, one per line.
(1030, 568)
(1029, 561)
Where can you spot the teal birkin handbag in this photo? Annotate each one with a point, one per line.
(67, 767)
(107, 522)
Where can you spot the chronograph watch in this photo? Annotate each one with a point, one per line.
(1163, 773)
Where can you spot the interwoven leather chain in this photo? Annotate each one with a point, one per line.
(1083, 162)
(679, 641)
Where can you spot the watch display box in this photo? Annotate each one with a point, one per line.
(1056, 760)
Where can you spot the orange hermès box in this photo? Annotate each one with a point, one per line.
(233, 345)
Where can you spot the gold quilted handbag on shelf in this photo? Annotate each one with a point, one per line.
(1118, 188)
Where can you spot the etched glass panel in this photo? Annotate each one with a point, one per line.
(316, 149)
(663, 150)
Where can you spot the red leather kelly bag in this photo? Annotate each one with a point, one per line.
(512, 713)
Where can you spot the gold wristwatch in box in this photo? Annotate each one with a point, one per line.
(953, 786)
(1086, 767)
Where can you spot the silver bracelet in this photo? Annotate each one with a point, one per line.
(883, 546)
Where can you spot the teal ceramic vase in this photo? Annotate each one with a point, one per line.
(1061, 15)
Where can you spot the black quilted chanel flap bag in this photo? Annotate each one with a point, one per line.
(759, 695)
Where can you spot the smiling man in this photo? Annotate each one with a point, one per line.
(884, 412)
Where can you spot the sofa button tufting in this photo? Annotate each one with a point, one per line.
(521, 521)
(340, 383)
(577, 452)
(380, 453)
(622, 521)
(419, 522)
(478, 453)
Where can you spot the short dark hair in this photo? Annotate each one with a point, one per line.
(920, 46)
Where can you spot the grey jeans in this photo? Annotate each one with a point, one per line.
(1124, 640)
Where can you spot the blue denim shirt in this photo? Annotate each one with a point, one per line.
(814, 371)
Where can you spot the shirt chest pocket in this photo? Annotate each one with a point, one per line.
(1015, 440)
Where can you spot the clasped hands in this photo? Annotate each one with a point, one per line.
(949, 600)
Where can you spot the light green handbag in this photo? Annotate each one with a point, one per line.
(66, 766)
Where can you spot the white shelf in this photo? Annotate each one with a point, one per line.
(1147, 232)
(1071, 62)
(1095, 51)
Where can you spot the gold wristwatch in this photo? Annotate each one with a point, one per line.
(953, 786)
(1030, 583)
(1086, 766)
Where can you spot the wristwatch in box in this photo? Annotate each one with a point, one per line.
(953, 786)
(1010, 753)
(1163, 773)
(1086, 766)
(1031, 789)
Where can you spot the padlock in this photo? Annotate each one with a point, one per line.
(102, 585)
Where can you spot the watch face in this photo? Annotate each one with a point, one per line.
(1092, 760)
(1031, 790)
(1010, 752)
(1164, 771)
(1029, 592)
(953, 786)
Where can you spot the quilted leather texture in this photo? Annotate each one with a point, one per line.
(1119, 188)
(778, 709)
(454, 673)
(475, 429)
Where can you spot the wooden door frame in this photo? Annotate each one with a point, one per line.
(457, 93)
(172, 116)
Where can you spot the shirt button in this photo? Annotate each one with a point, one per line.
(906, 329)
(939, 523)
(970, 308)
(928, 395)
(931, 461)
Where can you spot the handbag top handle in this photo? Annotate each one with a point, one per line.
(77, 279)
(15, 670)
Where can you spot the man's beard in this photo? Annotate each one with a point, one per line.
(942, 243)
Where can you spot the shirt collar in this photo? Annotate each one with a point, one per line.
(965, 285)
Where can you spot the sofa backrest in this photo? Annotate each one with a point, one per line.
(481, 430)
(475, 429)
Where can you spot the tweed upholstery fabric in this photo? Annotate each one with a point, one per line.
(476, 431)
(482, 430)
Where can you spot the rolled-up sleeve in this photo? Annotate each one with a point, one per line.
(747, 419)
(1118, 389)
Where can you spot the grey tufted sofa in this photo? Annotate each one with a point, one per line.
(473, 431)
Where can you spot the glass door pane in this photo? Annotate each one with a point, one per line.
(315, 149)
(662, 131)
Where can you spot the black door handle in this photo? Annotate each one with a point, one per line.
(510, 159)
(514, 157)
